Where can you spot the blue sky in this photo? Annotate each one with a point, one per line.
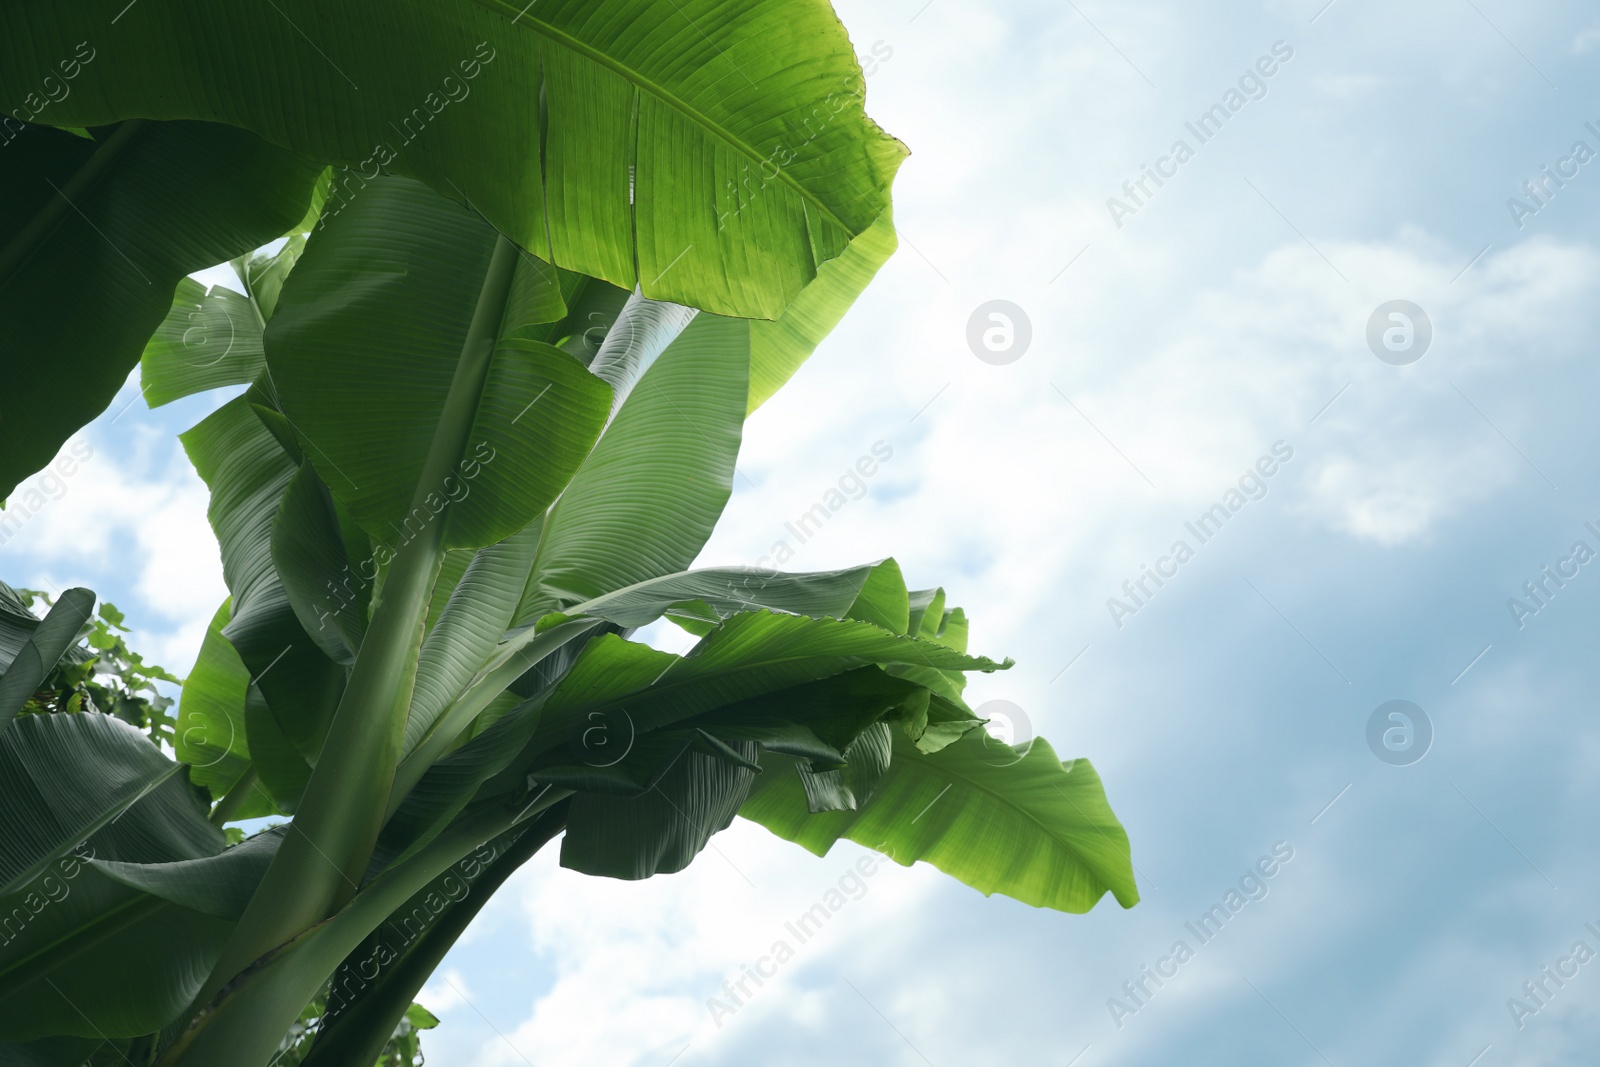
(1167, 355)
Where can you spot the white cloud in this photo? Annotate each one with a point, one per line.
(446, 991)
(654, 953)
(135, 507)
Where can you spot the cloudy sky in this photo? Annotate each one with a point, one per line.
(1176, 338)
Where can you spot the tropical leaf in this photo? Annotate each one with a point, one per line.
(218, 885)
(645, 500)
(469, 629)
(664, 828)
(94, 238)
(1013, 821)
(363, 347)
(17, 625)
(249, 474)
(103, 961)
(778, 348)
(45, 646)
(209, 339)
(747, 656)
(721, 148)
(211, 733)
(618, 691)
(116, 947)
(67, 778)
(314, 563)
(720, 592)
(79, 790)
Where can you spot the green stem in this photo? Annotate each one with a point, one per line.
(324, 857)
(30, 237)
(244, 1025)
(358, 1034)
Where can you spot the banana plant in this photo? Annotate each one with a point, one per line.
(710, 153)
(458, 479)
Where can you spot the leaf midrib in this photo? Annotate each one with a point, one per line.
(80, 939)
(672, 100)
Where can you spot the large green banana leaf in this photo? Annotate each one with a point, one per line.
(116, 948)
(17, 625)
(1017, 822)
(442, 789)
(663, 829)
(88, 798)
(646, 499)
(710, 152)
(747, 655)
(209, 339)
(49, 641)
(364, 344)
(67, 778)
(211, 733)
(249, 474)
(94, 237)
(620, 690)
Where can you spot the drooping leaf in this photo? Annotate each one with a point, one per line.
(114, 946)
(219, 885)
(85, 955)
(66, 777)
(663, 829)
(1002, 820)
(94, 238)
(747, 656)
(104, 960)
(722, 148)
